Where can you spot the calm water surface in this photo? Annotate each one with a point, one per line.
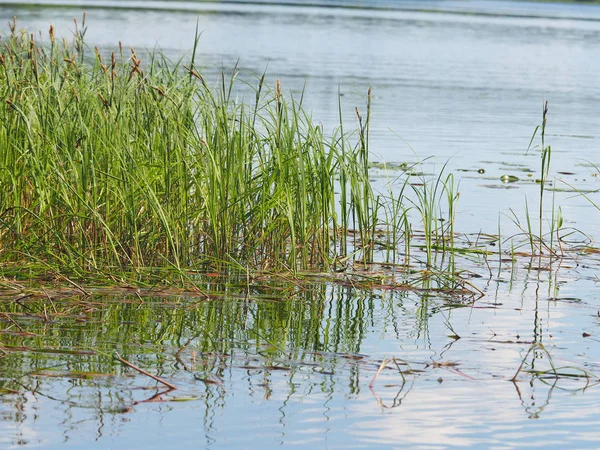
(463, 81)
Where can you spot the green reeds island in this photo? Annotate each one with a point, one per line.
(112, 164)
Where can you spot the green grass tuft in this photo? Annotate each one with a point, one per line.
(113, 164)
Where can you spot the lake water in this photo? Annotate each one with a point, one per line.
(460, 81)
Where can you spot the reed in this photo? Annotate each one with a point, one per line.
(546, 154)
(435, 200)
(114, 164)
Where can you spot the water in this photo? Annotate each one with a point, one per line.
(463, 81)
(262, 365)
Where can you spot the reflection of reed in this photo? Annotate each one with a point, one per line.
(277, 342)
(314, 333)
(548, 379)
(398, 398)
(529, 403)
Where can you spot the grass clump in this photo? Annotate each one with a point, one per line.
(109, 164)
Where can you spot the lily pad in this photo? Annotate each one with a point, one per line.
(508, 178)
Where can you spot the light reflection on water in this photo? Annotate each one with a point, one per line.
(464, 86)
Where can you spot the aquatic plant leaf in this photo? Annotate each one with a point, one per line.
(508, 178)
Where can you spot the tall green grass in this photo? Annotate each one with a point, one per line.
(110, 163)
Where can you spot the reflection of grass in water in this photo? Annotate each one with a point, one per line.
(286, 320)
(313, 330)
(309, 333)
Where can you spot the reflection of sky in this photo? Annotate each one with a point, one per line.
(17, 429)
(480, 414)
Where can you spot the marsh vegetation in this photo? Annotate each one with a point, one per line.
(114, 169)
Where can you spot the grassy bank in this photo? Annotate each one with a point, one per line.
(111, 165)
